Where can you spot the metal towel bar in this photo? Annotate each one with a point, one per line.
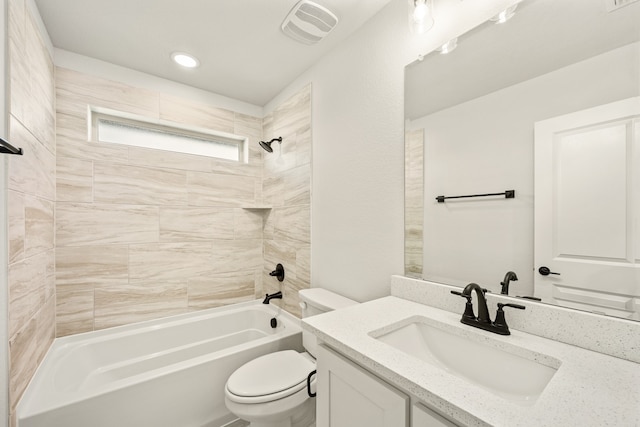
(509, 194)
(7, 148)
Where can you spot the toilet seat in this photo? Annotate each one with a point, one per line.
(270, 377)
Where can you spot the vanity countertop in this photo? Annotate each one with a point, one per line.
(588, 389)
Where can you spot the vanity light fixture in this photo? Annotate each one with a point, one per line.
(505, 15)
(449, 46)
(185, 60)
(420, 16)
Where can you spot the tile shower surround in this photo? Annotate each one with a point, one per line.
(142, 233)
(30, 199)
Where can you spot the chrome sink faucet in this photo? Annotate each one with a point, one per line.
(483, 321)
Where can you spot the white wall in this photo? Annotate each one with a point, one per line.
(358, 145)
(486, 145)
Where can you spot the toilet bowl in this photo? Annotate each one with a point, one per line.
(272, 390)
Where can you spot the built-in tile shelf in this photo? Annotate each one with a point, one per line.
(257, 208)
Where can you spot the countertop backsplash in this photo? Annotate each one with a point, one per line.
(608, 335)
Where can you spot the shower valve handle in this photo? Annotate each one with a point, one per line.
(278, 272)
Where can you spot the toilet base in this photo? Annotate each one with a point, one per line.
(304, 418)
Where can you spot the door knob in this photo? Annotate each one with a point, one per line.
(545, 271)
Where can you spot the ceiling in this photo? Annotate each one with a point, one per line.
(543, 36)
(242, 51)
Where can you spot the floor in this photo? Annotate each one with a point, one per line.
(237, 423)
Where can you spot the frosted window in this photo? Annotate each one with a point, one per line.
(162, 138)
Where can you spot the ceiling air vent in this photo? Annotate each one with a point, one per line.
(617, 4)
(308, 22)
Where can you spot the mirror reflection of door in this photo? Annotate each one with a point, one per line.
(587, 206)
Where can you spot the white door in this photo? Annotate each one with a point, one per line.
(587, 204)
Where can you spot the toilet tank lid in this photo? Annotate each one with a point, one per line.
(324, 299)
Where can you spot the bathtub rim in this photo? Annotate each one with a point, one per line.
(175, 318)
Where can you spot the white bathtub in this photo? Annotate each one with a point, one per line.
(163, 373)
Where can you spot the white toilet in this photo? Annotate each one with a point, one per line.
(271, 391)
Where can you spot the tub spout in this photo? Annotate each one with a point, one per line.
(267, 297)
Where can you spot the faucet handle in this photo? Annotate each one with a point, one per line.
(468, 308)
(500, 321)
(518, 306)
(460, 294)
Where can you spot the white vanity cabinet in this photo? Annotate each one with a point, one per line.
(421, 416)
(350, 396)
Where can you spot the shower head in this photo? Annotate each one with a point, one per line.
(267, 145)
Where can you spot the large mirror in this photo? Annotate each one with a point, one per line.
(545, 108)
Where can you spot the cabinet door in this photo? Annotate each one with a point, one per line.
(349, 396)
(425, 417)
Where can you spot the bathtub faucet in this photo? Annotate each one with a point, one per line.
(267, 297)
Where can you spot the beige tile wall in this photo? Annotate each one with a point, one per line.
(414, 202)
(142, 234)
(31, 199)
(287, 187)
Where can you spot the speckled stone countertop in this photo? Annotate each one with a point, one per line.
(588, 388)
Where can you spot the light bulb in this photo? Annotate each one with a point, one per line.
(420, 16)
(421, 10)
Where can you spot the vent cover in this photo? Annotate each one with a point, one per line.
(617, 4)
(308, 22)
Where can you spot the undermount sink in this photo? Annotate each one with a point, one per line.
(510, 373)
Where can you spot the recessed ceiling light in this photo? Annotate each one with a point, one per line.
(185, 59)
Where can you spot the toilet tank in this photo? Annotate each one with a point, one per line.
(317, 301)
